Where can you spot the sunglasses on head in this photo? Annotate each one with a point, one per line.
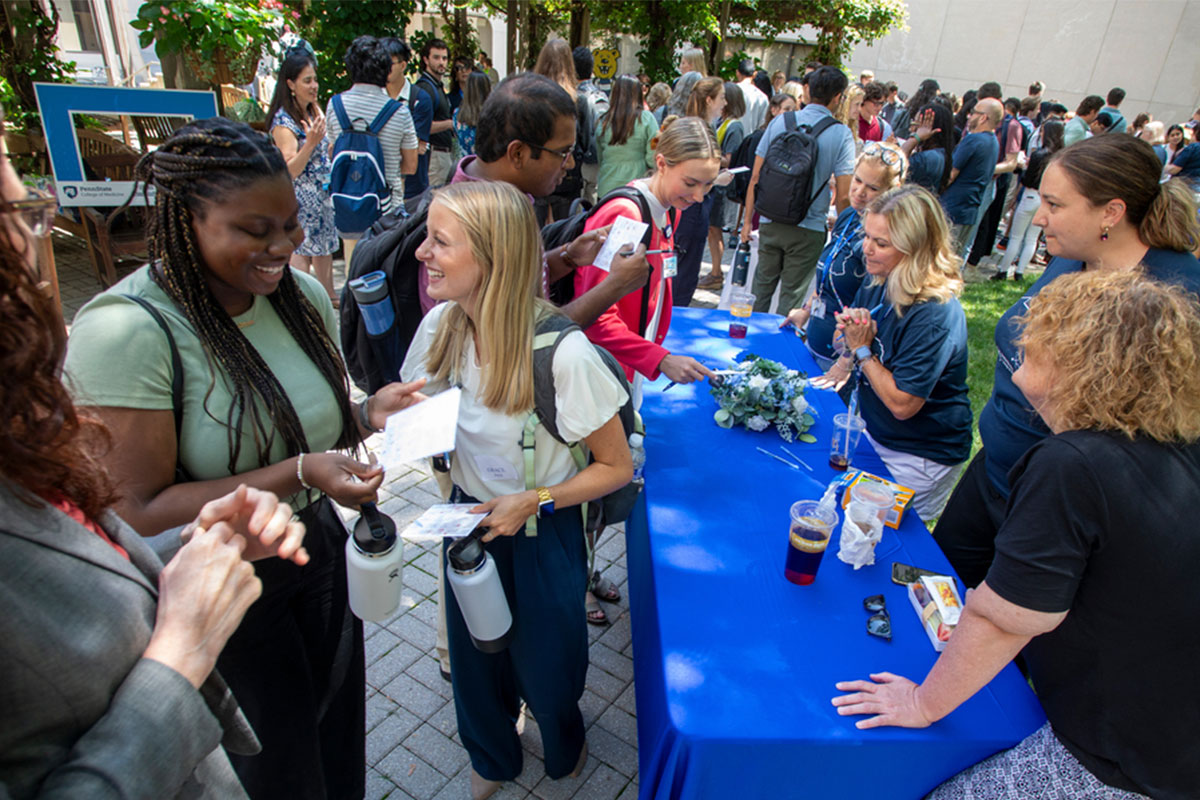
(879, 623)
(885, 154)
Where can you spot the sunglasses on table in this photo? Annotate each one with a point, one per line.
(879, 623)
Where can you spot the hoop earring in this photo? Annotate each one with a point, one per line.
(1104, 233)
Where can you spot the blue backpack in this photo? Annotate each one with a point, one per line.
(357, 181)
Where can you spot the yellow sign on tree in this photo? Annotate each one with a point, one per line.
(605, 62)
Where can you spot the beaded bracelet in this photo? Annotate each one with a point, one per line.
(300, 473)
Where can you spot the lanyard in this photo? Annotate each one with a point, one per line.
(886, 305)
(849, 234)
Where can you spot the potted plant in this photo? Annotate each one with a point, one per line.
(221, 40)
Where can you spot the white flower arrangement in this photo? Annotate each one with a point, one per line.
(760, 393)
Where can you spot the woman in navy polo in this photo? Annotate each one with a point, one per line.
(840, 270)
(1103, 209)
(907, 335)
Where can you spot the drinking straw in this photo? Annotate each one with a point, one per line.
(777, 458)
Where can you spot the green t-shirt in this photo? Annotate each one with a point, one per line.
(118, 356)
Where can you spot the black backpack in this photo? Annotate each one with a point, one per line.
(389, 245)
(614, 507)
(743, 157)
(567, 230)
(785, 181)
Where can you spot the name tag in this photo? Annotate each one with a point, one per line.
(669, 268)
(818, 308)
(494, 468)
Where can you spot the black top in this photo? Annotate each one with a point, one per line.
(1031, 178)
(441, 109)
(1104, 527)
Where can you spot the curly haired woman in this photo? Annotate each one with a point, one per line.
(1094, 575)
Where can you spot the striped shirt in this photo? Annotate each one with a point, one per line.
(363, 102)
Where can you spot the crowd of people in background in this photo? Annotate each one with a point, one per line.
(246, 399)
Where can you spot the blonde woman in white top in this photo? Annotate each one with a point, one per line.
(483, 256)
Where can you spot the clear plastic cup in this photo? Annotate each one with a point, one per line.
(808, 537)
(741, 306)
(875, 497)
(846, 432)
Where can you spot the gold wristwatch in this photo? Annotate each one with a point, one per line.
(545, 502)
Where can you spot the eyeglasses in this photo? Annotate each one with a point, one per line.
(885, 154)
(564, 154)
(37, 210)
(879, 623)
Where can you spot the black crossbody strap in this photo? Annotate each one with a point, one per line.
(176, 376)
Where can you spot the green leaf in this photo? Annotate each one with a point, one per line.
(808, 419)
(807, 438)
(723, 418)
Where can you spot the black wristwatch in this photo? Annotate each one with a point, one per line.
(364, 415)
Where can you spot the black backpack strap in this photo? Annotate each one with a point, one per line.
(630, 193)
(789, 120)
(815, 131)
(176, 379)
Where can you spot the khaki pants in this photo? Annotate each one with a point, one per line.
(440, 165)
(787, 256)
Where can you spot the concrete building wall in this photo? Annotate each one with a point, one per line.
(1150, 48)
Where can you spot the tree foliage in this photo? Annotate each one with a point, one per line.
(331, 25)
(28, 53)
(662, 25)
(845, 23)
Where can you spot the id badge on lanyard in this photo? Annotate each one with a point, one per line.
(669, 268)
(818, 308)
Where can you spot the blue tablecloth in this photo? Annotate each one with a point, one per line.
(735, 666)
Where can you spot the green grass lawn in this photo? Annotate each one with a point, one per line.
(984, 303)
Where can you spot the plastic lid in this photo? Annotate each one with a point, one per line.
(370, 288)
(374, 533)
(468, 553)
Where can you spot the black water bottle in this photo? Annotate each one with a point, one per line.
(741, 264)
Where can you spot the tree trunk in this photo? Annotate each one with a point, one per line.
(581, 23)
(512, 22)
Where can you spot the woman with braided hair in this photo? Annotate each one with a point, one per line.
(263, 397)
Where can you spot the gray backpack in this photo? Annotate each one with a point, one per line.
(611, 508)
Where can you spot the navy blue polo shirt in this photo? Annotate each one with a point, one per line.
(422, 113)
(925, 168)
(925, 349)
(1188, 161)
(840, 273)
(1008, 424)
(975, 159)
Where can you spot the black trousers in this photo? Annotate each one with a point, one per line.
(295, 665)
(691, 234)
(985, 239)
(967, 529)
(544, 578)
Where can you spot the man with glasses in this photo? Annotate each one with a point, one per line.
(969, 191)
(872, 127)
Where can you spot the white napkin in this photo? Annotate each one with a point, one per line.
(861, 531)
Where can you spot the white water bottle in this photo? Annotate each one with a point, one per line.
(476, 584)
(374, 563)
(637, 449)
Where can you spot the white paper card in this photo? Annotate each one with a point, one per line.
(423, 430)
(624, 235)
(447, 519)
(495, 468)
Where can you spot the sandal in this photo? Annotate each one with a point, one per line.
(595, 614)
(604, 589)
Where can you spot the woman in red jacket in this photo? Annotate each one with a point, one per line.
(687, 162)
